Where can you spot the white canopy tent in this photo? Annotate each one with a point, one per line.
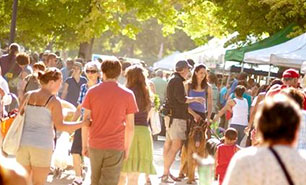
(293, 59)
(168, 62)
(210, 54)
(263, 56)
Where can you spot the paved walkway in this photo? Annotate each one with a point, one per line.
(67, 176)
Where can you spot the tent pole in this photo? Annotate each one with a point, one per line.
(242, 66)
(269, 74)
(223, 70)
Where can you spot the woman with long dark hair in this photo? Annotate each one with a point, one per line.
(141, 153)
(198, 87)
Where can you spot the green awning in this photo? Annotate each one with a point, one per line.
(277, 38)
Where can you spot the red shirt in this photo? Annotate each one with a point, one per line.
(109, 104)
(225, 154)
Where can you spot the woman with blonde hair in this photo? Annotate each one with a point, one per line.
(141, 153)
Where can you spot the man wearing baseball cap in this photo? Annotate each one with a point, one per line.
(176, 126)
(291, 78)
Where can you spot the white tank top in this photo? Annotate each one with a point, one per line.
(240, 112)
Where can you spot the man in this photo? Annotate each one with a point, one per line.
(107, 141)
(291, 78)
(9, 67)
(51, 60)
(67, 69)
(176, 127)
(160, 85)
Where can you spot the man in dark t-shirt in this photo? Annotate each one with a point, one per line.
(9, 67)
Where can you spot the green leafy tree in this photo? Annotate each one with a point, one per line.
(258, 17)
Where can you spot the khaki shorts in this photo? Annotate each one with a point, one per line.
(177, 129)
(33, 156)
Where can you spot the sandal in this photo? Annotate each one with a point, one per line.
(75, 182)
(174, 178)
(166, 179)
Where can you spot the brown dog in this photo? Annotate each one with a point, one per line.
(196, 143)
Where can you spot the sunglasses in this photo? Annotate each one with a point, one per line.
(91, 71)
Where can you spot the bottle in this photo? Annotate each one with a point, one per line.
(205, 169)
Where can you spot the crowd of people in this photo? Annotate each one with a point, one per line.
(115, 99)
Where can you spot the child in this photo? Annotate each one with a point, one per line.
(225, 153)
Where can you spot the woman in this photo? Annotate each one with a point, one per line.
(141, 153)
(73, 84)
(43, 111)
(32, 82)
(239, 107)
(198, 87)
(23, 61)
(278, 123)
(93, 75)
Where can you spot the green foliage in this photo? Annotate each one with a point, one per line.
(258, 17)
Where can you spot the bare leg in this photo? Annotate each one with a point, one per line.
(170, 156)
(39, 175)
(122, 179)
(133, 178)
(77, 161)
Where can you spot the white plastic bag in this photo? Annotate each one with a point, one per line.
(60, 158)
(155, 122)
(12, 139)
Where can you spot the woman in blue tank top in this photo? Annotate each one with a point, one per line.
(198, 87)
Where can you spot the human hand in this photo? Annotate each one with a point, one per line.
(196, 118)
(200, 100)
(247, 131)
(87, 122)
(85, 151)
(126, 154)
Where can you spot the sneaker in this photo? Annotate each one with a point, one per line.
(166, 179)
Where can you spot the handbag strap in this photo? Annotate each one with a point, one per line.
(282, 166)
(24, 104)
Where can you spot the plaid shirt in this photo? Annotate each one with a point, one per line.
(302, 134)
(83, 91)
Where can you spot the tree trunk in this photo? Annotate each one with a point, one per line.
(85, 50)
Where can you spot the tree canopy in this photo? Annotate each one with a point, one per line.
(67, 23)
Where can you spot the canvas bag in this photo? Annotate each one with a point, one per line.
(12, 139)
(155, 122)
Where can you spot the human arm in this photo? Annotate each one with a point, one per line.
(77, 113)
(228, 106)
(209, 103)
(129, 134)
(65, 90)
(57, 118)
(195, 116)
(253, 111)
(216, 162)
(180, 94)
(85, 134)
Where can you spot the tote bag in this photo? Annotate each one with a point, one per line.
(155, 122)
(12, 139)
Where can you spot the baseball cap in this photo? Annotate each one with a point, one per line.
(182, 64)
(291, 73)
